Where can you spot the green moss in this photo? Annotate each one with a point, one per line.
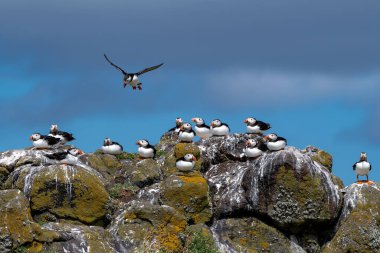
(117, 189)
(160, 153)
(127, 156)
(324, 158)
(199, 242)
(182, 149)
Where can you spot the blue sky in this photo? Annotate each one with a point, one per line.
(311, 69)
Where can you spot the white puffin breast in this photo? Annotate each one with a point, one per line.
(70, 159)
(185, 136)
(134, 81)
(184, 165)
(362, 168)
(253, 152)
(146, 152)
(276, 145)
(202, 132)
(220, 131)
(254, 130)
(112, 149)
(41, 143)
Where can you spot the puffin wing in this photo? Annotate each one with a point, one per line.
(282, 139)
(354, 166)
(116, 143)
(51, 140)
(66, 135)
(263, 125)
(117, 67)
(149, 69)
(57, 156)
(262, 147)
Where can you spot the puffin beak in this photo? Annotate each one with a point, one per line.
(247, 143)
(194, 159)
(193, 120)
(245, 121)
(80, 152)
(31, 138)
(212, 124)
(266, 137)
(182, 127)
(138, 143)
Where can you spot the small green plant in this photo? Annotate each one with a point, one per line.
(198, 242)
(21, 249)
(126, 156)
(160, 153)
(116, 191)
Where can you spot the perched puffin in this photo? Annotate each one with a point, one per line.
(111, 147)
(69, 156)
(274, 142)
(186, 163)
(186, 134)
(63, 136)
(255, 126)
(178, 124)
(201, 129)
(254, 149)
(145, 150)
(219, 129)
(43, 141)
(132, 79)
(362, 167)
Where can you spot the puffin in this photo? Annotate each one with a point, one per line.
(254, 149)
(219, 129)
(178, 124)
(255, 126)
(43, 141)
(201, 129)
(145, 150)
(274, 142)
(363, 167)
(63, 136)
(111, 147)
(186, 134)
(69, 156)
(186, 163)
(132, 79)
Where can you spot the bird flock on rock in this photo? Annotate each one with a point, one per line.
(254, 148)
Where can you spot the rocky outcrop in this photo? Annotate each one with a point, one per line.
(358, 229)
(285, 201)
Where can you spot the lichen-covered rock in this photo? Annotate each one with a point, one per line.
(144, 173)
(15, 220)
(292, 190)
(107, 165)
(251, 235)
(15, 158)
(80, 238)
(358, 228)
(66, 191)
(189, 195)
(144, 227)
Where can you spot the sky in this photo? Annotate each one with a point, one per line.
(309, 68)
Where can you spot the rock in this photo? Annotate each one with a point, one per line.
(358, 228)
(189, 195)
(144, 173)
(15, 220)
(80, 238)
(251, 235)
(66, 191)
(107, 165)
(144, 227)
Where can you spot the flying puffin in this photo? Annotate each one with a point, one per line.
(186, 163)
(186, 134)
(362, 167)
(43, 141)
(111, 147)
(254, 149)
(145, 150)
(274, 142)
(178, 124)
(219, 129)
(255, 126)
(69, 156)
(201, 129)
(63, 136)
(132, 78)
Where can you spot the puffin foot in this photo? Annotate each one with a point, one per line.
(134, 88)
(140, 88)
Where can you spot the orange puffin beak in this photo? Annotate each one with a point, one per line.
(80, 152)
(247, 143)
(194, 159)
(31, 138)
(182, 127)
(194, 120)
(138, 143)
(212, 124)
(245, 121)
(266, 137)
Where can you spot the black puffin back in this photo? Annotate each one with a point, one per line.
(51, 140)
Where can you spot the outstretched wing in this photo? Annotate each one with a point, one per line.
(149, 69)
(117, 67)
